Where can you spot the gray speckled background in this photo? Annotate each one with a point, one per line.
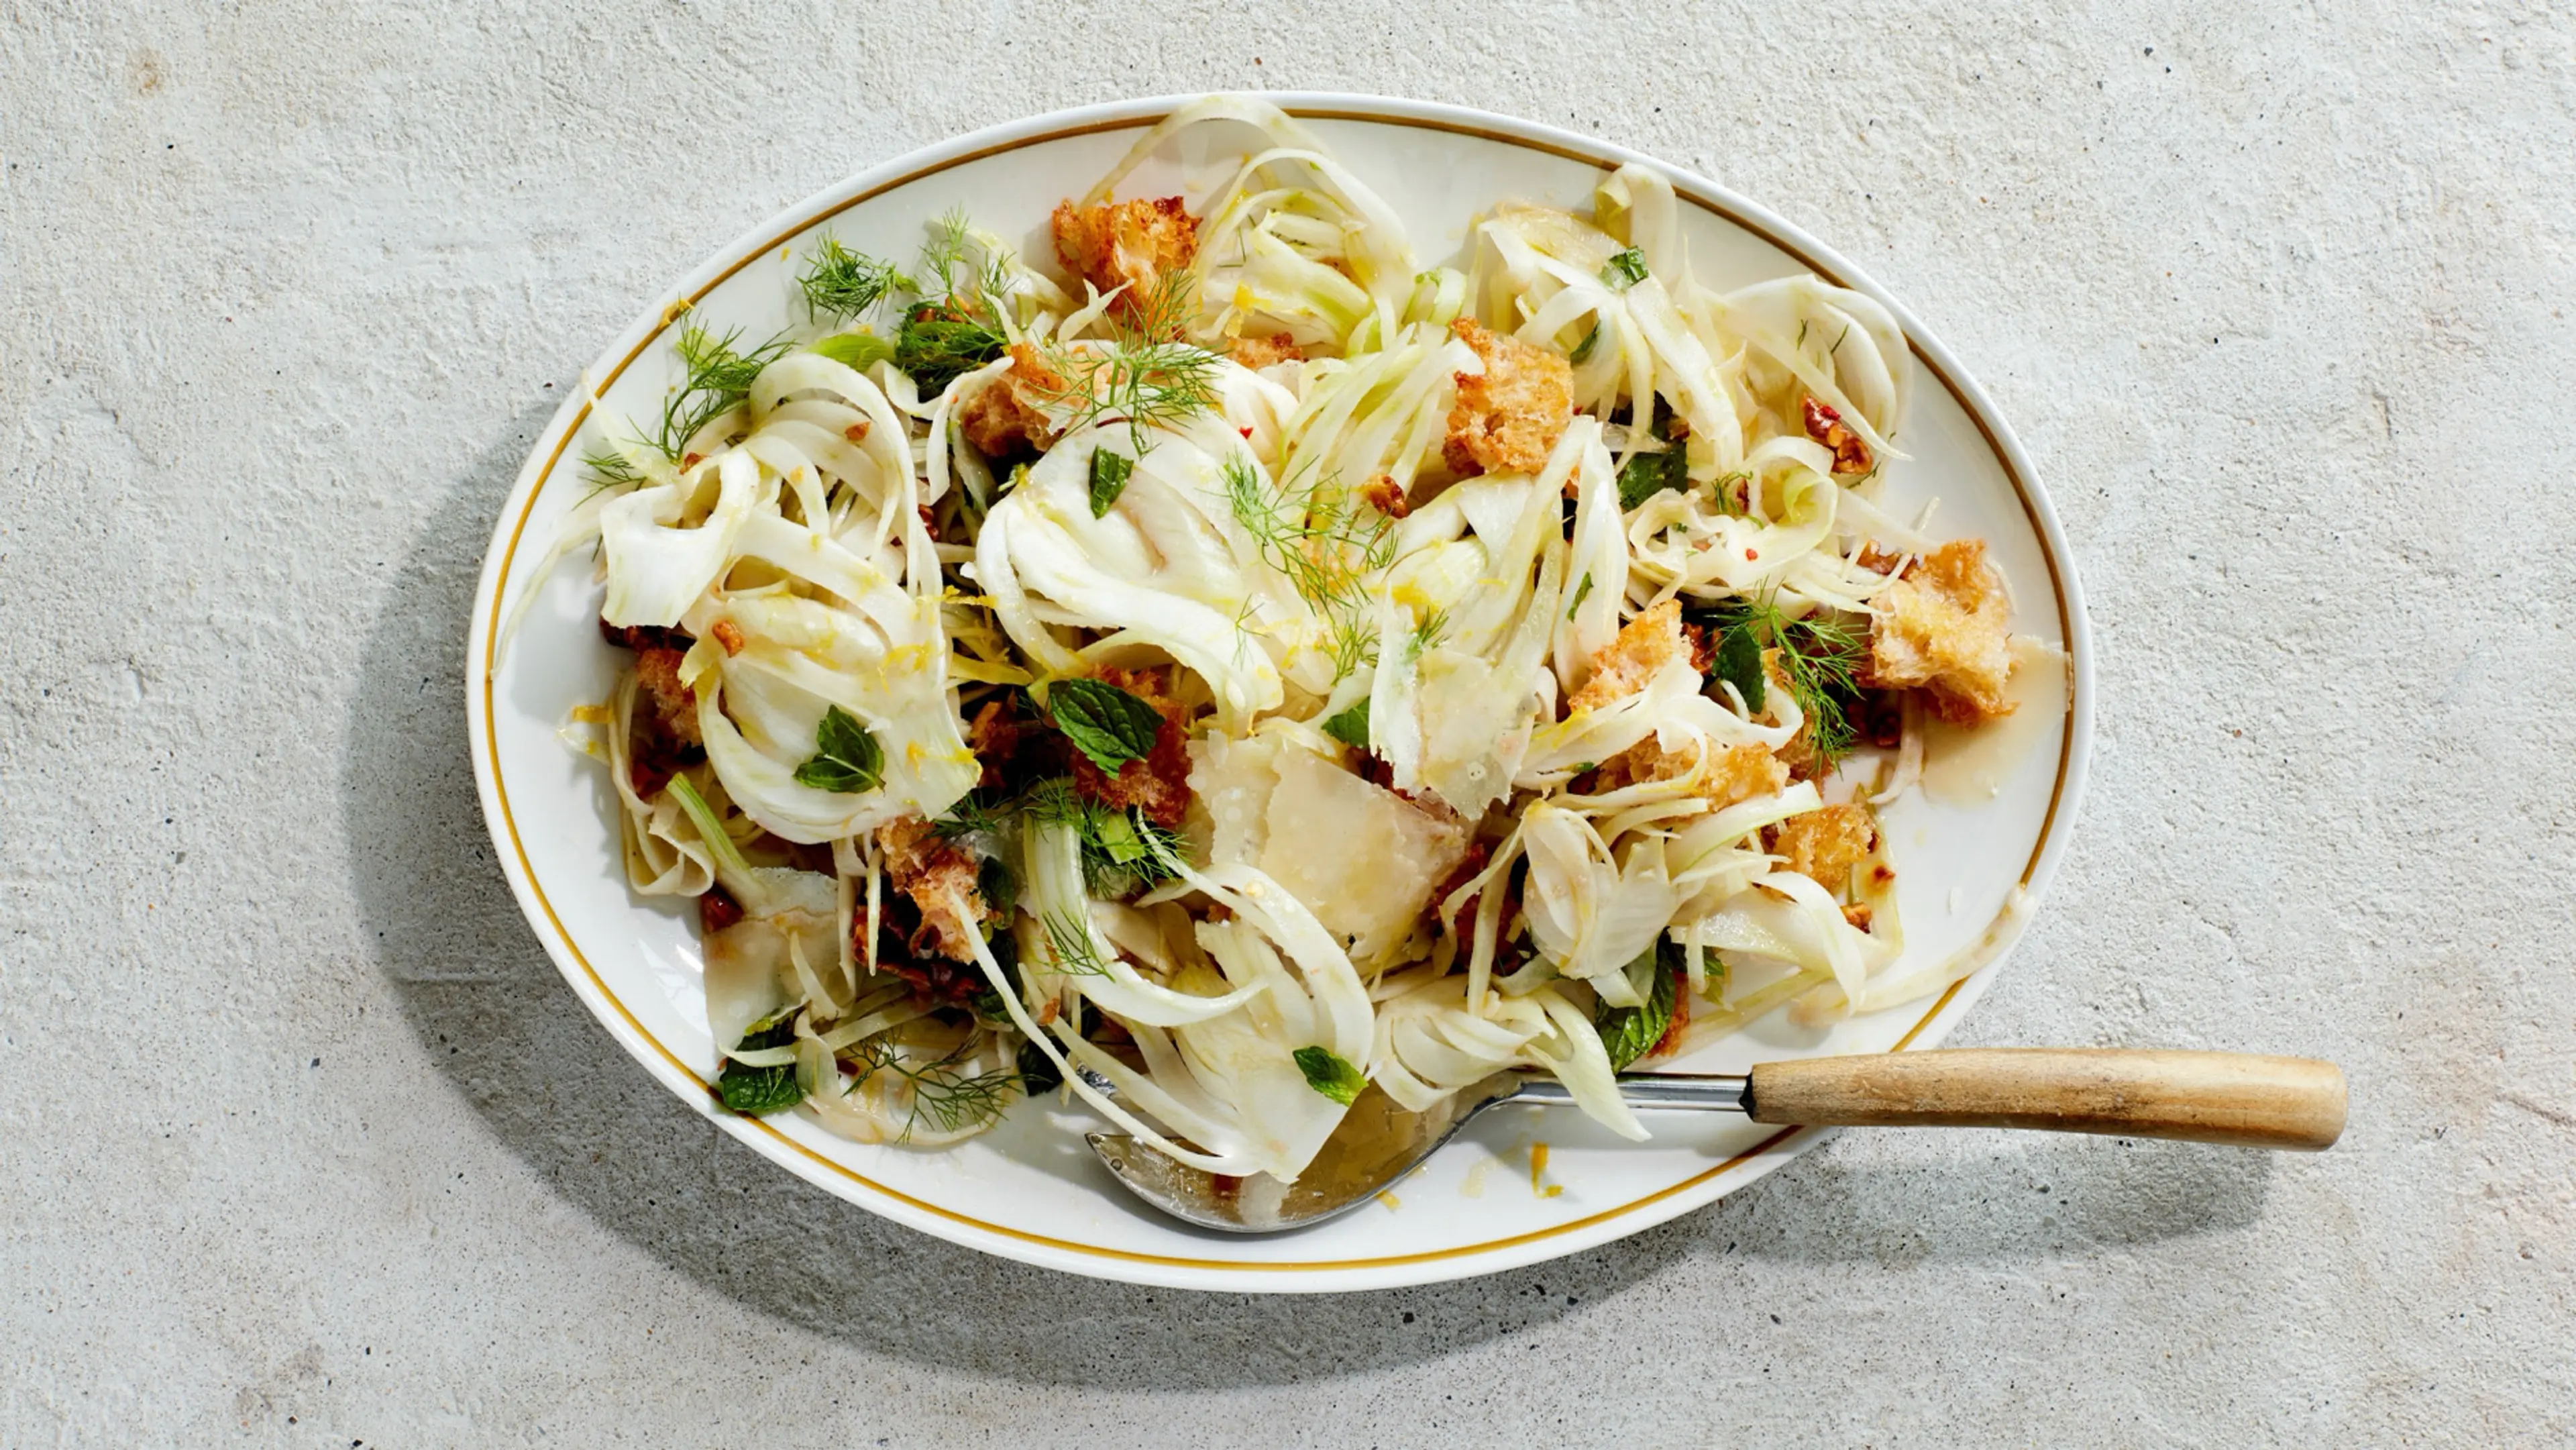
(303, 1142)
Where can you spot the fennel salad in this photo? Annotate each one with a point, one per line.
(1231, 666)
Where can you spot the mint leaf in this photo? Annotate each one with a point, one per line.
(1648, 474)
(1329, 1075)
(1109, 475)
(846, 759)
(999, 887)
(1739, 663)
(1629, 1033)
(755, 1091)
(1624, 271)
(759, 1091)
(1351, 727)
(1582, 592)
(1103, 721)
(1037, 1073)
(1583, 350)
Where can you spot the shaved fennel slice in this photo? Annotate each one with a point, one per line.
(1053, 1049)
(1840, 345)
(1689, 543)
(748, 971)
(1598, 555)
(1234, 1084)
(1590, 912)
(1052, 854)
(760, 710)
(662, 857)
(656, 568)
(1670, 708)
(1452, 709)
(1432, 1043)
(1164, 564)
(1247, 1061)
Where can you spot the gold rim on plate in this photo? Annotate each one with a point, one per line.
(1139, 116)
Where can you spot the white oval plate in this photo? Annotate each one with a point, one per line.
(1030, 1190)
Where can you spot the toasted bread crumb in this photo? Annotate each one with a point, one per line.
(1508, 418)
(932, 870)
(657, 669)
(1385, 495)
(1823, 845)
(1158, 784)
(1000, 417)
(1131, 244)
(1261, 352)
(1941, 629)
(1735, 773)
(1644, 645)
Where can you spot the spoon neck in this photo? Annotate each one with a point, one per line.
(1692, 1092)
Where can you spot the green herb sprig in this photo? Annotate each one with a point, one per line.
(1330, 1075)
(847, 759)
(1820, 661)
(1107, 724)
(1070, 943)
(757, 1091)
(1110, 471)
(1146, 376)
(949, 1098)
(1351, 726)
(716, 378)
(1629, 1033)
(1319, 537)
(1122, 851)
(840, 283)
(1648, 474)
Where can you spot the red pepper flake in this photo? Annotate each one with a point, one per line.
(856, 432)
(693, 460)
(717, 910)
(1246, 432)
(1751, 554)
(1826, 426)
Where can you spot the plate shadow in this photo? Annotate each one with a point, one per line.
(489, 1010)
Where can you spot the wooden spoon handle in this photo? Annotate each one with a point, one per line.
(2204, 1097)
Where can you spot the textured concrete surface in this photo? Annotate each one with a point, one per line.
(303, 1142)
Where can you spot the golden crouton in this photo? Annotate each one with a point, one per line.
(1736, 773)
(657, 669)
(1941, 629)
(1644, 646)
(1261, 352)
(1131, 244)
(933, 871)
(1508, 417)
(1824, 845)
(1000, 417)
(1384, 494)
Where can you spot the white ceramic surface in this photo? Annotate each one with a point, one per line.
(1029, 1190)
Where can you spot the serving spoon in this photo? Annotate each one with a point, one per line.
(2200, 1097)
